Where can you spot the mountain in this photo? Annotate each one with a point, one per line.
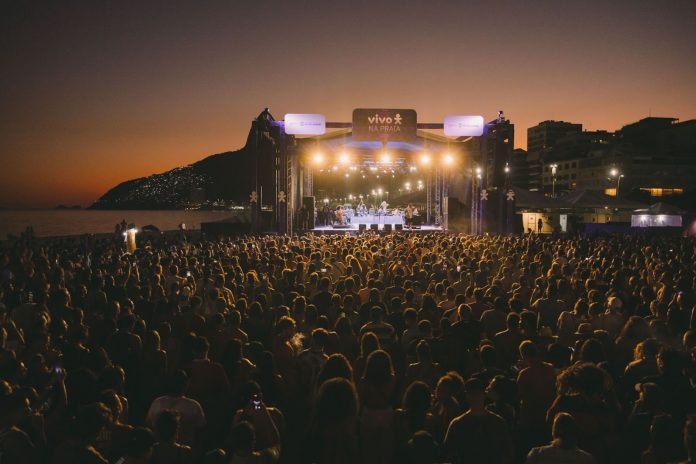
(224, 176)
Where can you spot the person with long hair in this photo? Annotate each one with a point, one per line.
(333, 437)
(376, 390)
(413, 416)
(368, 343)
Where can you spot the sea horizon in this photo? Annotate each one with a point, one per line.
(51, 222)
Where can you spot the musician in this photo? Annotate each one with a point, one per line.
(409, 216)
(362, 209)
(341, 216)
(383, 207)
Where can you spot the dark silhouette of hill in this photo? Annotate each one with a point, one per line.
(223, 176)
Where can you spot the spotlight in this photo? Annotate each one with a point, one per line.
(347, 175)
(448, 159)
(318, 158)
(412, 169)
(373, 168)
(343, 158)
(425, 159)
(385, 158)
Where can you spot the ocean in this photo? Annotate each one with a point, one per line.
(53, 223)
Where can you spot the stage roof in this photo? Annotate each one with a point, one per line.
(343, 139)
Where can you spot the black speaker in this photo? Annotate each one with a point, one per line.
(387, 227)
(362, 227)
(374, 227)
(398, 227)
(308, 205)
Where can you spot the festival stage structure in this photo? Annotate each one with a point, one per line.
(382, 171)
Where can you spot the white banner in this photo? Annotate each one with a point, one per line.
(463, 126)
(305, 124)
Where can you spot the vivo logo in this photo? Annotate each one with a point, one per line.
(377, 119)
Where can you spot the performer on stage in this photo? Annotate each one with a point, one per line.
(383, 207)
(409, 216)
(341, 216)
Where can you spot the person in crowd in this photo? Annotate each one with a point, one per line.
(564, 447)
(478, 435)
(167, 449)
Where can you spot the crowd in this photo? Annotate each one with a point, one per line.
(403, 348)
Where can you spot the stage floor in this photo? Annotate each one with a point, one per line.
(354, 228)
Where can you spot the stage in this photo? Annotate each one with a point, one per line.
(380, 227)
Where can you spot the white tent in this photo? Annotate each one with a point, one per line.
(658, 215)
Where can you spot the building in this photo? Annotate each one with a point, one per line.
(656, 156)
(542, 139)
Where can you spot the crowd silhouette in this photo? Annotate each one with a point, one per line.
(392, 348)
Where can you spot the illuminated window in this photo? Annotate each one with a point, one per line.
(610, 191)
(659, 192)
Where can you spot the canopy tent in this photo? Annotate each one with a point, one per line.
(657, 215)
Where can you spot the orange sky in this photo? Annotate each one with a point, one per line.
(100, 92)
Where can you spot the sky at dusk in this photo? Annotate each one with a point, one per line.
(93, 93)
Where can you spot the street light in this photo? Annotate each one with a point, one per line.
(615, 173)
(553, 180)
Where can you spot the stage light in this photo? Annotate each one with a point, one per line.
(385, 158)
(347, 175)
(373, 168)
(344, 158)
(407, 186)
(380, 191)
(448, 159)
(412, 169)
(425, 159)
(350, 196)
(326, 200)
(364, 176)
(353, 168)
(360, 196)
(373, 191)
(318, 158)
(335, 168)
